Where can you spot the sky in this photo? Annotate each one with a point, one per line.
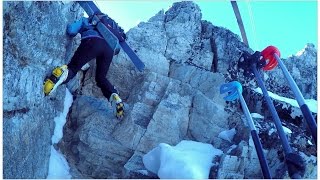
(288, 25)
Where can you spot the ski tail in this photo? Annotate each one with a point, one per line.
(132, 55)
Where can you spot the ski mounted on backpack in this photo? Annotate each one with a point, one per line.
(110, 32)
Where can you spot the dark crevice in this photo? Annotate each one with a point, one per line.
(12, 113)
(214, 66)
(188, 134)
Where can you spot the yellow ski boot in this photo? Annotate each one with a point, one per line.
(58, 76)
(117, 104)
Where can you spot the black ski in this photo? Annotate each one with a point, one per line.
(92, 9)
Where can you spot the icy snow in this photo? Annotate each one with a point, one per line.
(257, 115)
(58, 165)
(228, 134)
(61, 119)
(311, 103)
(186, 160)
(287, 130)
(272, 130)
(232, 148)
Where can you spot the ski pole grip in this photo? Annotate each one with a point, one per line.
(262, 159)
(268, 53)
(310, 120)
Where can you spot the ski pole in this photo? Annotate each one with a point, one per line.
(272, 52)
(276, 119)
(296, 166)
(234, 90)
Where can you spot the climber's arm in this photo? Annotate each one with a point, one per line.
(74, 28)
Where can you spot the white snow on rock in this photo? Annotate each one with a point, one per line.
(232, 148)
(61, 119)
(311, 103)
(186, 160)
(286, 130)
(58, 166)
(272, 130)
(228, 134)
(257, 115)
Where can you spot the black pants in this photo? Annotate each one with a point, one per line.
(89, 49)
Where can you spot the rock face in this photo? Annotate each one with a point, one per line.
(176, 98)
(34, 42)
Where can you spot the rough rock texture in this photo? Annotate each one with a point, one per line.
(98, 154)
(176, 98)
(34, 42)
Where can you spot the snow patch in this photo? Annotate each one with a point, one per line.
(143, 172)
(299, 53)
(311, 103)
(186, 160)
(58, 166)
(257, 115)
(286, 130)
(61, 119)
(272, 130)
(228, 134)
(231, 148)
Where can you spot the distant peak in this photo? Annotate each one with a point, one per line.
(309, 47)
(186, 10)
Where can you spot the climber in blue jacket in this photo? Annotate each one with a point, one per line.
(92, 45)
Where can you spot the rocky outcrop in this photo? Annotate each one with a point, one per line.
(176, 98)
(34, 42)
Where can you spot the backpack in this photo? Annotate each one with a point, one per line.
(110, 24)
(109, 29)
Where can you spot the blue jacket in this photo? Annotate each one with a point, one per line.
(83, 27)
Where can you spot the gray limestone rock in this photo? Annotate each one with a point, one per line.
(207, 119)
(176, 97)
(97, 154)
(169, 122)
(34, 43)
